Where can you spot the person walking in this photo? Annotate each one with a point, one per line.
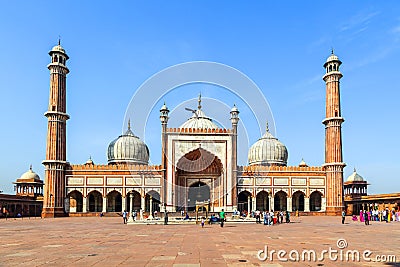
(287, 217)
(166, 217)
(366, 219)
(258, 218)
(222, 217)
(141, 214)
(124, 214)
(343, 216)
(281, 216)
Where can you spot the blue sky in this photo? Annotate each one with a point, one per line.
(114, 48)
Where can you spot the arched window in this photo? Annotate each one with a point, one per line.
(55, 58)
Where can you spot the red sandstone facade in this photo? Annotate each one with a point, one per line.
(90, 188)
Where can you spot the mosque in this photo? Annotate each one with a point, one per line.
(199, 164)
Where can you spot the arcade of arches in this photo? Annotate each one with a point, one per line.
(280, 201)
(113, 202)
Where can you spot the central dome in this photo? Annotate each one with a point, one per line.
(199, 120)
(268, 151)
(128, 148)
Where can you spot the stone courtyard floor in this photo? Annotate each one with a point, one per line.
(90, 241)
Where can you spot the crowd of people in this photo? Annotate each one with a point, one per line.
(271, 217)
(268, 217)
(378, 215)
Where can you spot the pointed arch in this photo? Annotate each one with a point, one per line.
(95, 201)
(199, 160)
(155, 201)
(75, 201)
(262, 201)
(315, 201)
(298, 201)
(244, 201)
(136, 201)
(114, 201)
(280, 201)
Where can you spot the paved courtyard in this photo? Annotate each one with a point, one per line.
(108, 242)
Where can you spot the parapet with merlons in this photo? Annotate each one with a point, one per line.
(252, 170)
(199, 131)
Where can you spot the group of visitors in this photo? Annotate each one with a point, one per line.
(125, 215)
(382, 215)
(271, 217)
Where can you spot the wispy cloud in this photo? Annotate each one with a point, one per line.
(361, 20)
(395, 31)
(374, 56)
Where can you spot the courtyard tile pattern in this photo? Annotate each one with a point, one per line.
(94, 241)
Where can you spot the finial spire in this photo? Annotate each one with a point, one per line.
(129, 124)
(59, 40)
(355, 169)
(30, 167)
(332, 50)
(199, 106)
(267, 126)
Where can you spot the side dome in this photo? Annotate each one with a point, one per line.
(268, 151)
(128, 148)
(199, 120)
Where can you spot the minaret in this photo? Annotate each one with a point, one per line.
(164, 111)
(333, 137)
(234, 120)
(57, 117)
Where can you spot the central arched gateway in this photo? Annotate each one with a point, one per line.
(197, 192)
(199, 178)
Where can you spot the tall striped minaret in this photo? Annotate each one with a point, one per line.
(334, 164)
(54, 193)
